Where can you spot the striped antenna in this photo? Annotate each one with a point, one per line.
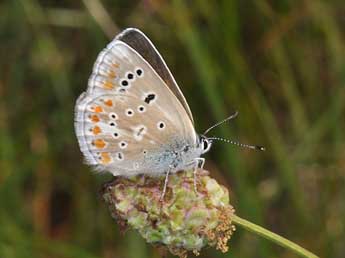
(253, 147)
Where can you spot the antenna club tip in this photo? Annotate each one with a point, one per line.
(262, 148)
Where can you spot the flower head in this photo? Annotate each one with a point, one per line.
(184, 221)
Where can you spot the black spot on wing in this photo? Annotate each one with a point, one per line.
(150, 98)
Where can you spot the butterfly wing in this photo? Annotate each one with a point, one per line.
(128, 114)
(142, 44)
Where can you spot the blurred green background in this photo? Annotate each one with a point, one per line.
(279, 63)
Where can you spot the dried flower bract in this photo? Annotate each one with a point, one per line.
(184, 221)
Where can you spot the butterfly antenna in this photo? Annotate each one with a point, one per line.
(221, 122)
(253, 147)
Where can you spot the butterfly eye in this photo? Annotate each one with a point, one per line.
(139, 72)
(205, 145)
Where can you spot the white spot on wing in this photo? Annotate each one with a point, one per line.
(116, 135)
(161, 125)
(125, 83)
(123, 144)
(139, 132)
(119, 156)
(129, 112)
(130, 76)
(139, 72)
(113, 115)
(141, 109)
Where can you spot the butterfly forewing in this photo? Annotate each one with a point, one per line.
(142, 44)
(128, 114)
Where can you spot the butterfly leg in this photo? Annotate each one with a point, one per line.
(199, 163)
(165, 184)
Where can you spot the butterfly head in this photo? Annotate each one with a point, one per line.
(204, 144)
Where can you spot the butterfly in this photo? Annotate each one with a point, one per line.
(133, 118)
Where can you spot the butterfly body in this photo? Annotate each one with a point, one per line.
(133, 118)
(174, 156)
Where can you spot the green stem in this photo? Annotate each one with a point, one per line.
(273, 237)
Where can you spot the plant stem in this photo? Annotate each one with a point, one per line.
(273, 237)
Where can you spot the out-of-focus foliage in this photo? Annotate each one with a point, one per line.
(281, 64)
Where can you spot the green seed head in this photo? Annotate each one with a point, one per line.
(184, 221)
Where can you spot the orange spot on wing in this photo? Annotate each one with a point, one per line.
(98, 109)
(105, 158)
(116, 65)
(99, 143)
(108, 85)
(108, 102)
(112, 74)
(94, 118)
(96, 130)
